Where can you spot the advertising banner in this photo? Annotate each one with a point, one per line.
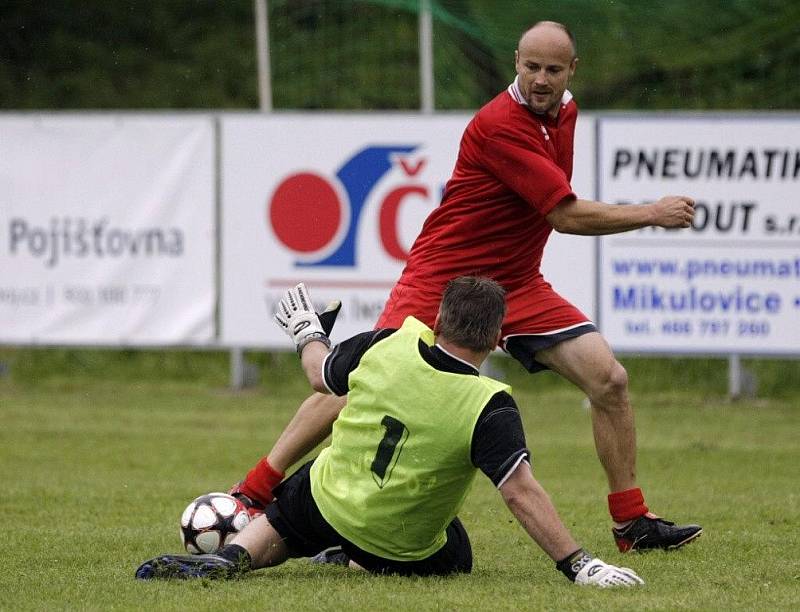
(731, 283)
(107, 230)
(336, 202)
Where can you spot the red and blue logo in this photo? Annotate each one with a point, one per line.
(317, 217)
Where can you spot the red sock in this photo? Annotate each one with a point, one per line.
(626, 505)
(260, 481)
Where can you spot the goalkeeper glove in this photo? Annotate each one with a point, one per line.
(601, 574)
(582, 568)
(296, 317)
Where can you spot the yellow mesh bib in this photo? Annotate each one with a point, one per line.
(398, 467)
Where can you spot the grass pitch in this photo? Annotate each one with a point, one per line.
(101, 451)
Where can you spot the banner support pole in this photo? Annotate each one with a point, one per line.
(734, 376)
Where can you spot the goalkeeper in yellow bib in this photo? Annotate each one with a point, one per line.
(419, 423)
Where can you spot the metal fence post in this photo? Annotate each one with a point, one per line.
(734, 376)
(427, 103)
(263, 55)
(237, 368)
(241, 376)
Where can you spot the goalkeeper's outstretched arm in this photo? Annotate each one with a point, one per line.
(532, 507)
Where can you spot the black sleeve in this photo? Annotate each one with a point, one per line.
(498, 441)
(345, 357)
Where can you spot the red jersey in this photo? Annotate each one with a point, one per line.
(513, 167)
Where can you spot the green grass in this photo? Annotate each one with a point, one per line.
(100, 451)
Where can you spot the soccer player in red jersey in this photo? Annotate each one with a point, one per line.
(509, 190)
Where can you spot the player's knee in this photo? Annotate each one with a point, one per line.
(618, 379)
(613, 388)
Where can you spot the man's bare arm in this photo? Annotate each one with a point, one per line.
(312, 357)
(531, 506)
(308, 428)
(589, 218)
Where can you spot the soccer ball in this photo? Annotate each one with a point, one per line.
(211, 521)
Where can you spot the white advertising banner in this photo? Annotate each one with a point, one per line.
(336, 202)
(107, 230)
(729, 284)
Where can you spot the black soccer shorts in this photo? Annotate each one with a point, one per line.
(295, 516)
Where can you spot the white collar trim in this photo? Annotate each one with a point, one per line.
(449, 354)
(515, 92)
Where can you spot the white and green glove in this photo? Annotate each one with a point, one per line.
(296, 316)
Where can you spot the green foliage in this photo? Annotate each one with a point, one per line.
(363, 54)
(118, 54)
(343, 55)
(96, 474)
(705, 377)
(70, 367)
(30, 367)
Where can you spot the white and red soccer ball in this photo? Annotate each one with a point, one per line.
(211, 521)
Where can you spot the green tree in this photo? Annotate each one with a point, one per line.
(363, 54)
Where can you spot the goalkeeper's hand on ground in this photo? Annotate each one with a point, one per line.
(582, 568)
(296, 316)
(255, 491)
(601, 574)
(254, 508)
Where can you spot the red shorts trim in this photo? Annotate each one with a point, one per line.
(534, 309)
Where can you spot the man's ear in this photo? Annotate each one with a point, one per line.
(573, 64)
(436, 324)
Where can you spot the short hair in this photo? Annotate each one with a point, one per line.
(471, 313)
(558, 25)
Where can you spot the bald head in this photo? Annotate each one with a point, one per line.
(545, 61)
(551, 33)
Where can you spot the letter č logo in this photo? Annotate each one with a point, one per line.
(317, 217)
